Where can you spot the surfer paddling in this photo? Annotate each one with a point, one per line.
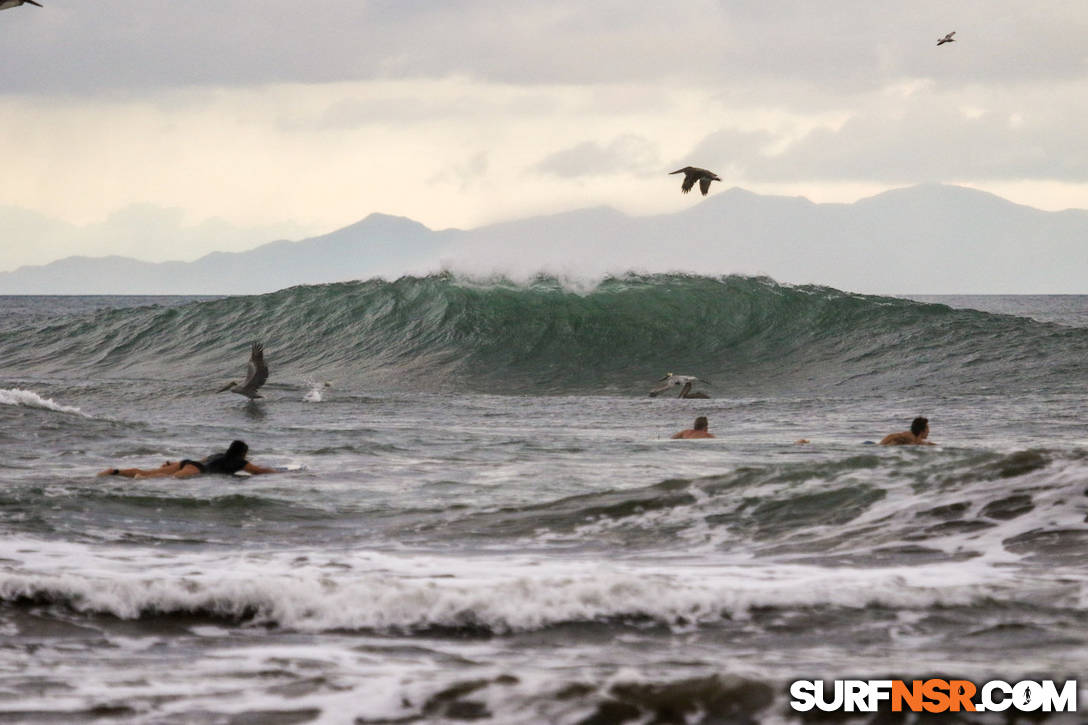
(916, 436)
(699, 430)
(228, 462)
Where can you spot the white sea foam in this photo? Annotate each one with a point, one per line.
(316, 393)
(30, 399)
(371, 591)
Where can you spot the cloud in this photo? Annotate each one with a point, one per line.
(624, 154)
(847, 46)
(929, 135)
(472, 111)
(463, 173)
(268, 154)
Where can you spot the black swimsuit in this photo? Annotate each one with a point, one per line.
(222, 463)
(199, 466)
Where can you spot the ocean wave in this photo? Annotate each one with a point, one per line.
(30, 399)
(447, 333)
(884, 508)
(866, 510)
(494, 597)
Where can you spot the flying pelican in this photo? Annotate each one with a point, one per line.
(5, 4)
(947, 39)
(685, 392)
(256, 374)
(693, 174)
(684, 380)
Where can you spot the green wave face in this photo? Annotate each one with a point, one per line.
(443, 333)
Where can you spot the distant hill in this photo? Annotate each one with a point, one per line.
(932, 239)
(377, 245)
(929, 239)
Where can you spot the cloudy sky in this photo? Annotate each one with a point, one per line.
(163, 129)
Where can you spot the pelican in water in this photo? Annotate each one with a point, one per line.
(693, 174)
(947, 39)
(685, 381)
(5, 4)
(256, 374)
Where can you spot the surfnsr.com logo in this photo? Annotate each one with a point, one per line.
(933, 695)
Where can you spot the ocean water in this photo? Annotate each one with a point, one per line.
(484, 517)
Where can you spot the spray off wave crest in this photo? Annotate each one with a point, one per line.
(447, 333)
(30, 399)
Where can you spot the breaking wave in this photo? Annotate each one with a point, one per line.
(448, 333)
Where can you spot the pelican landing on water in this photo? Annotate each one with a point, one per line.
(693, 174)
(256, 374)
(686, 381)
(948, 38)
(5, 4)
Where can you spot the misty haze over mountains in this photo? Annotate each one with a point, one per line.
(929, 239)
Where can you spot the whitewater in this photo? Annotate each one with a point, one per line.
(483, 515)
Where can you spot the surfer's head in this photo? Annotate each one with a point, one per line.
(701, 423)
(919, 425)
(237, 449)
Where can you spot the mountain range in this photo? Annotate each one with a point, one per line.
(927, 239)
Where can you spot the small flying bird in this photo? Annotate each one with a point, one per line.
(693, 174)
(684, 380)
(5, 4)
(947, 39)
(256, 374)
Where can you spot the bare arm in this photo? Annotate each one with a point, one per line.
(126, 472)
(258, 470)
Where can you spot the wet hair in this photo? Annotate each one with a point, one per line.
(237, 449)
(918, 425)
(701, 423)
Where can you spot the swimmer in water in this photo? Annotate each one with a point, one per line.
(228, 462)
(916, 436)
(699, 430)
